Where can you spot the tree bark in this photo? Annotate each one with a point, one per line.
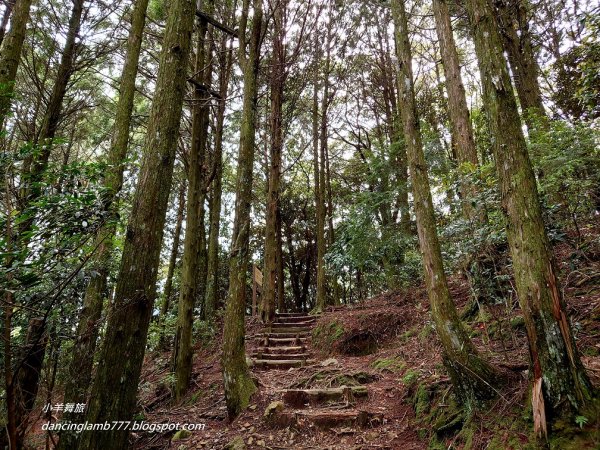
(193, 270)
(473, 378)
(460, 121)
(28, 375)
(554, 356)
(80, 367)
(10, 4)
(516, 38)
(34, 167)
(10, 55)
(115, 386)
(277, 81)
(239, 386)
(166, 300)
(211, 301)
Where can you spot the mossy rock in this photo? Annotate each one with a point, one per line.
(181, 434)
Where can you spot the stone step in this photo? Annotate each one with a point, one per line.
(280, 356)
(298, 398)
(304, 325)
(326, 419)
(283, 350)
(295, 319)
(279, 364)
(284, 342)
(271, 335)
(289, 314)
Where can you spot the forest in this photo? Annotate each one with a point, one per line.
(300, 224)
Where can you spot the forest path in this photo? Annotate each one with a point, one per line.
(285, 345)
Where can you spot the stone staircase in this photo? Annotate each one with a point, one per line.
(284, 343)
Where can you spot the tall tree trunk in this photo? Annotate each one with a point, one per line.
(166, 300)
(28, 375)
(194, 247)
(212, 285)
(472, 377)
(556, 365)
(239, 386)
(80, 367)
(516, 38)
(34, 167)
(10, 4)
(458, 112)
(10, 55)
(277, 81)
(280, 275)
(115, 386)
(321, 292)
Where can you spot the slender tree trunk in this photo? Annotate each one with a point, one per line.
(10, 55)
(280, 274)
(239, 386)
(115, 386)
(34, 167)
(458, 112)
(516, 37)
(472, 377)
(556, 365)
(212, 285)
(166, 300)
(194, 255)
(80, 367)
(319, 188)
(10, 4)
(278, 79)
(28, 375)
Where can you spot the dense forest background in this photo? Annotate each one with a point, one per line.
(153, 152)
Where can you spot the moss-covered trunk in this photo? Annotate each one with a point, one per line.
(193, 270)
(80, 367)
(167, 293)
(513, 19)
(277, 82)
(239, 386)
(472, 377)
(115, 386)
(460, 122)
(211, 301)
(554, 356)
(10, 55)
(27, 375)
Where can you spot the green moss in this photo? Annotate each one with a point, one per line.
(421, 401)
(591, 351)
(426, 332)
(410, 377)
(517, 323)
(408, 334)
(395, 364)
(328, 333)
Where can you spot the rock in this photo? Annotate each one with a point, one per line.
(237, 443)
(181, 434)
(250, 440)
(252, 407)
(273, 410)
(260, 443)
(329, 362)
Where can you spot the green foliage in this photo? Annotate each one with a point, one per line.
(567, 160)
(581, 421)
